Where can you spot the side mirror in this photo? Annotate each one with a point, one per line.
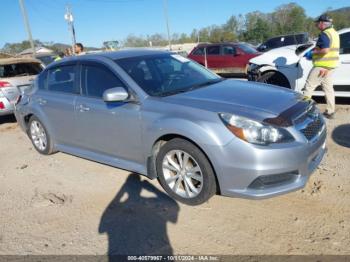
(116, 94)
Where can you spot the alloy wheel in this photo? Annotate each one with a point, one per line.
(182, 174)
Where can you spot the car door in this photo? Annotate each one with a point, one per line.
(214, 59)
(106, 128)
(341, 77)
(234, 61)
(54, 102)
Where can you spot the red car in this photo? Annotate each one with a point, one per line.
(224, 58)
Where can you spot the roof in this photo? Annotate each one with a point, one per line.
(39, 49)
(127, 53)
(344, 30)
(9, 61)
(115, 55)
(221, 43)
(5, 55)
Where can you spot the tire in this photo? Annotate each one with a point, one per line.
(39, 136)
(191, 188)
(274, 78)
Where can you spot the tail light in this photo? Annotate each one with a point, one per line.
(2, 106)
(4, 84)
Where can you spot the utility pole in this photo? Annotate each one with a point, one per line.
(167, 21)
(70, 20)
(26, 23)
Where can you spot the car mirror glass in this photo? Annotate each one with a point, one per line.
(115, 94)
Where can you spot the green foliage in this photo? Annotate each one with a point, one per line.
(341, 17)
(14, 48)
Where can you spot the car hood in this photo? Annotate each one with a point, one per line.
(283, 56)
(255, 100)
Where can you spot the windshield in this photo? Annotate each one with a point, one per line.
(21, 69)
(167, 74)
(247, 49)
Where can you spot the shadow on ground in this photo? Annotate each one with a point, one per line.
(136, 224)
(7, 119)
(341, 135)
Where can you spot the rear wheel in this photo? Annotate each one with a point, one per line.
(185, 172)
(274, 78)
(39, 136)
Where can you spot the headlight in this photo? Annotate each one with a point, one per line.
(253, 131)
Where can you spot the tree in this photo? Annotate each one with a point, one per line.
(111, 45)
(257, 28)
(15, 48)
(289, 18)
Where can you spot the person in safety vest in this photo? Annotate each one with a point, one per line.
(325, 58)
(59, 56)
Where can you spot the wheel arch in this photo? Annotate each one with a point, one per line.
(159, 142)
(271, 70)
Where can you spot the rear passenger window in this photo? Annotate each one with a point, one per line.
(97, 79)
(62, 79)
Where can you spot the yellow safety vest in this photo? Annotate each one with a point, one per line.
(331, 59)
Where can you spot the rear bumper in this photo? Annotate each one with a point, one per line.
(9, 108)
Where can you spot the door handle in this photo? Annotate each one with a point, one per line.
(346, 62)
(42, 101)
(83, 108)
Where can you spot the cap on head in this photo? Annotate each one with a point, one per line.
(324, 18)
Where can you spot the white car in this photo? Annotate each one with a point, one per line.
(287, 67)
(16, 75)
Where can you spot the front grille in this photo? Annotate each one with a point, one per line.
(313, 129)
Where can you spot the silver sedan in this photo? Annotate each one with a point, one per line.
(166, 117)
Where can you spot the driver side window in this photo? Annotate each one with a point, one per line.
(97, 79)
(345, 43)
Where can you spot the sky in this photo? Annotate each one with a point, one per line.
(101, 20)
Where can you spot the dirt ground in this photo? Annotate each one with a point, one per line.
(61, 204)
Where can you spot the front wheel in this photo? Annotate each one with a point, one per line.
(274, 78)
(185, 172)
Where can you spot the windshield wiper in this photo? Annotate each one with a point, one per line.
(173, 92)
(187, 89)
(207, 83)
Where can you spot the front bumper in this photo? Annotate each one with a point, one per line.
(257, 172)
(253, 74)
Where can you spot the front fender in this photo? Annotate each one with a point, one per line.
(202, 133)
